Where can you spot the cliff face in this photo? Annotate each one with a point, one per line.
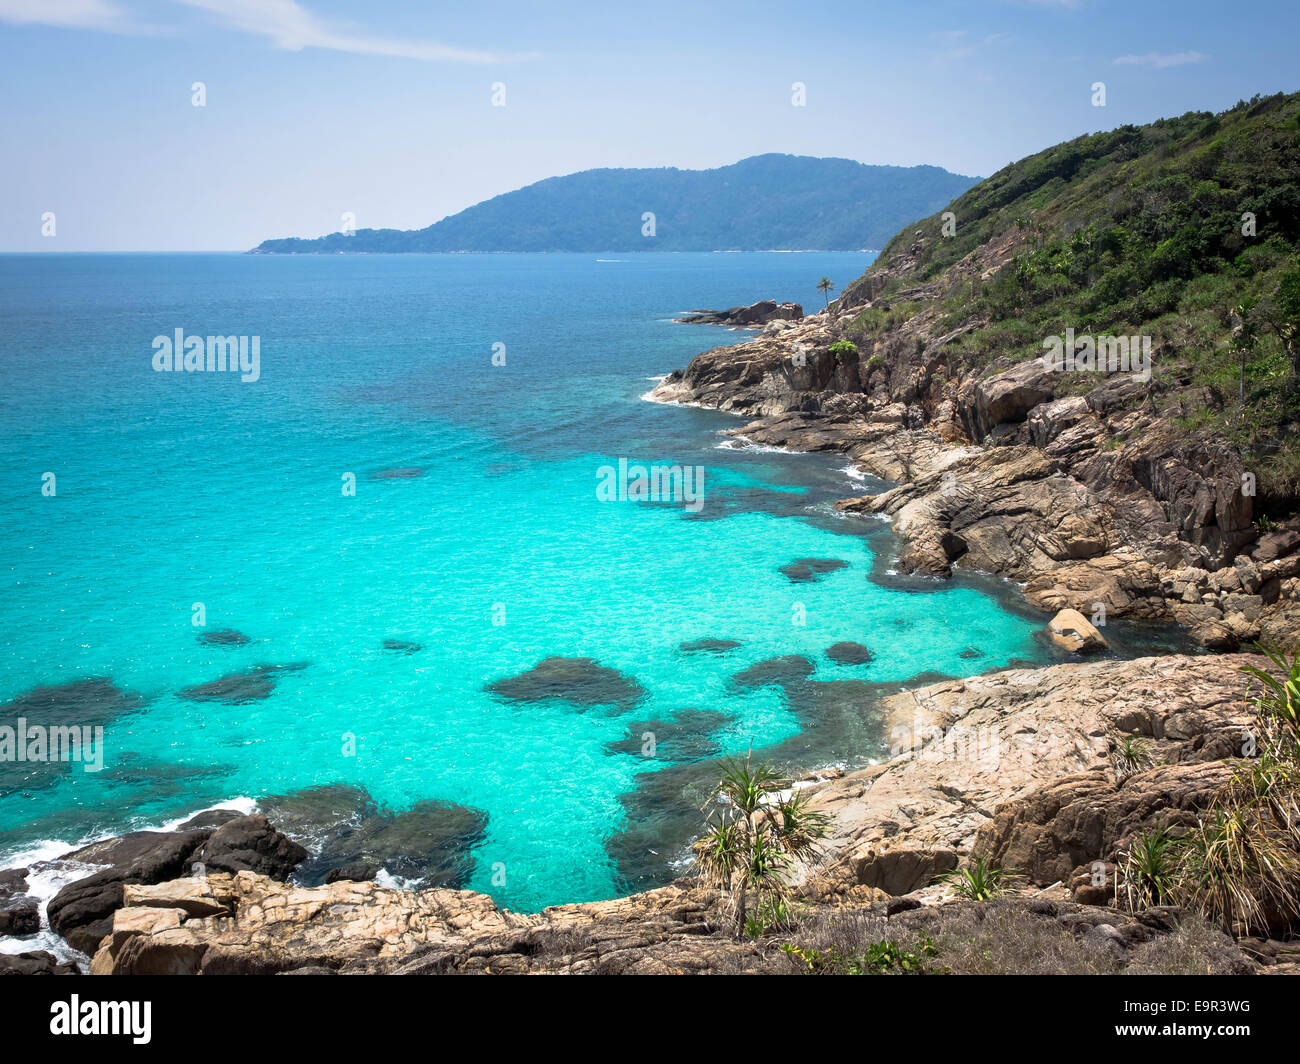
(1132, 487)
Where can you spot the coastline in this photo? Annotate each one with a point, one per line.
(898, 823)
(997, 476)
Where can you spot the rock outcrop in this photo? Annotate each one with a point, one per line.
(82, 912)
(248, 924)
(751, 317)
(19, 911)
(1088, 497)
(966, 753)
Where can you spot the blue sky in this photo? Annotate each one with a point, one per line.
(383, 109)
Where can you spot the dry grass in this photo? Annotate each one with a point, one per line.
(1012, 936)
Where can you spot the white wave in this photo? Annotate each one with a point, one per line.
(744, 443)
(386, 879)
(650, 397)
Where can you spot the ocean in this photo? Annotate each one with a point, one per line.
(389, 530)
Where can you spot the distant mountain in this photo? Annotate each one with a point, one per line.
(790, 202)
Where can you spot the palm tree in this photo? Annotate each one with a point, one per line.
(753, 838)
(825, 287)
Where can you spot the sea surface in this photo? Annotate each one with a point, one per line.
(474, 539)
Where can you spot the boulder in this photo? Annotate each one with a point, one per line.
(20, 913)
(1068, 824)
(1072, 631)
(1009, 396)
(82, 912)
(249, 843)
(35, 962)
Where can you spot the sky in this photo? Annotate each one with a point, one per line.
(384, 110)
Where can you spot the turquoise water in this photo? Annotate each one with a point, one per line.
(176, 489)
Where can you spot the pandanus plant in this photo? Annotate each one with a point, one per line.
(753, 835)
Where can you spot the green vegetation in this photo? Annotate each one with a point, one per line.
(1150, 868)
(1186, 230)
(1240, 866)
(844, 351)
(994, 938)
(879, 958)
(978, 881)
(751, 840)
(1132, 754)
(825, 287)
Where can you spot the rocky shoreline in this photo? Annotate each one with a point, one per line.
(1017, 766)
(1002, 478)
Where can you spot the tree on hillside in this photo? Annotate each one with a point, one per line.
(1284, 315)
(826, 288)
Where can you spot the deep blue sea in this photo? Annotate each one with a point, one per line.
(475, 540)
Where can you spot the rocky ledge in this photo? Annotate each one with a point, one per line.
(1019, 766)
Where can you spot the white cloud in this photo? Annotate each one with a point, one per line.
(963, 50)
(1161, 60)
(73, 14)
(290, 26)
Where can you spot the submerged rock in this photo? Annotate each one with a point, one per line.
(970, 653)
(239, 688)
(792, 668)
(403, 646)
(580, 681)
(847, 653)
(398, 473)
(708, 646)
(82, 704)
(686, 737)
(807, 570)
(223, 637)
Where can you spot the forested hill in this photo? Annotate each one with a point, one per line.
(762, 203)
(1186, 230)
